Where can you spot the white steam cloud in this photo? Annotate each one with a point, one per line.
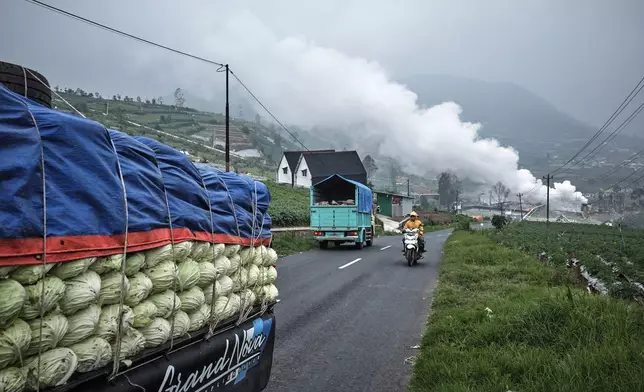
(310, 85)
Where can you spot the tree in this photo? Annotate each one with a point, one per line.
(57, 89)
(147, 102)
(90, 95)
(448, 187)
(138, 99)
(118, 97)
(394, 172)
(154, 101)
(160, 100)
(179, 100)
(370, 167)
(501, 192)
(638, 195)
(114, 98)
(98, 95)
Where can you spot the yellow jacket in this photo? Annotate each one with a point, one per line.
(417, 224)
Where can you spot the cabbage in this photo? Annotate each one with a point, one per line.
(113, 285)
(247, 255)
(54, 291)
(13, 298)
(80, 292)
(226, 285)
(271, 275)
(235, 263)
(230, 250)
(200, 251)
(54, 328)
(134, 263)
(104, 265)
(207, 274)
(14, 342)
(188, 274)
(240, 279)
(70, 269)
(182, 251)
(192, 299)
(253, 274)
(157, 333)
(158, 255)
(56, 367)
(270, 258)
(180, 324)
(199, 318)
(30, 274)
(260, 254)
(218, 250)
(167, 303)
(163, 276)
(92, 353)
(5, 271)
(267, 293)
(226, 307)
(81, 325)
(144, 313)
(108, 322)
(248, 298)
(208, 294)
(132, 343)
(222, 265)
(140, 288)
(12, 380)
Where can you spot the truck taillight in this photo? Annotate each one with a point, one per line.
(318, 233)
(352, 234)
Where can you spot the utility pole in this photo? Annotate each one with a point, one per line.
(408, 193)
(227, 123)
(548, 178)
(520, 205)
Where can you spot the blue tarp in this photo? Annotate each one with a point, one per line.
(365, 196)
(85, 206)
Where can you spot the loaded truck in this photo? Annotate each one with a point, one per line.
(124, 266)
(342, 212)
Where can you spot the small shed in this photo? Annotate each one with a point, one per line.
(394, 204)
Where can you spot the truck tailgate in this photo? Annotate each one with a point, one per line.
(340, 217)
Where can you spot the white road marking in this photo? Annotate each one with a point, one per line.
(386, 247)
(348, 264)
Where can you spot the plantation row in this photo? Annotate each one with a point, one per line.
(289, 206)
(614, 255)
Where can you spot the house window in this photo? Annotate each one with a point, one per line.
(304, 172)
(285, 169)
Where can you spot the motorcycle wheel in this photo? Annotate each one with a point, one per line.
(410, 257)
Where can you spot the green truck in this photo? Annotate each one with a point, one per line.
(342, 212)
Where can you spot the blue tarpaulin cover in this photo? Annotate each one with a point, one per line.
(69, 167)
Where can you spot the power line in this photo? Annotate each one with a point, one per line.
(267, 110)
(612, 136)
(616, 113)
(627, 177)
(623, 164)
(120, 32)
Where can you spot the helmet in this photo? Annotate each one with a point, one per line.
(413, 213)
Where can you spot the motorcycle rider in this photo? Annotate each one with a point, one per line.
(415, 223)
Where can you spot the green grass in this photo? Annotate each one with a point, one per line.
(289, 206)
(542, 333)
(289, 243)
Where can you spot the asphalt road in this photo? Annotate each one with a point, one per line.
(347, 325)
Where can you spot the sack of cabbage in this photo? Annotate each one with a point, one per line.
(69, 313)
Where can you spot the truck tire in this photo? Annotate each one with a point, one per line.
(359, 245)
(370, 240)
(14, 77)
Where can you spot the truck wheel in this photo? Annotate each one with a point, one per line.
(370, 240)
(324, 244)
(359, 245)
(13, 77)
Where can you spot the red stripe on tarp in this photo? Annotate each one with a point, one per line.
(59, 249)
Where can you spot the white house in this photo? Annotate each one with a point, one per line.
(316, 166)
(288, 165)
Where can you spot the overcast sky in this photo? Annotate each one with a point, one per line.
(583, 56)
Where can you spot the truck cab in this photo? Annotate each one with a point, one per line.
(341, 212)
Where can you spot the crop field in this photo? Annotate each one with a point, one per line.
(613, 255)
(289, 206)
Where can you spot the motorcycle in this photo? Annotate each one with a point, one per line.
(412, 251)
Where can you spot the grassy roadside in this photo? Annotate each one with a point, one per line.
(289, 243)
(502, 321)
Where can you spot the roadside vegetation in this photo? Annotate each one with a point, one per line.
(503, 321)
(289, 206)
(290, 243)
